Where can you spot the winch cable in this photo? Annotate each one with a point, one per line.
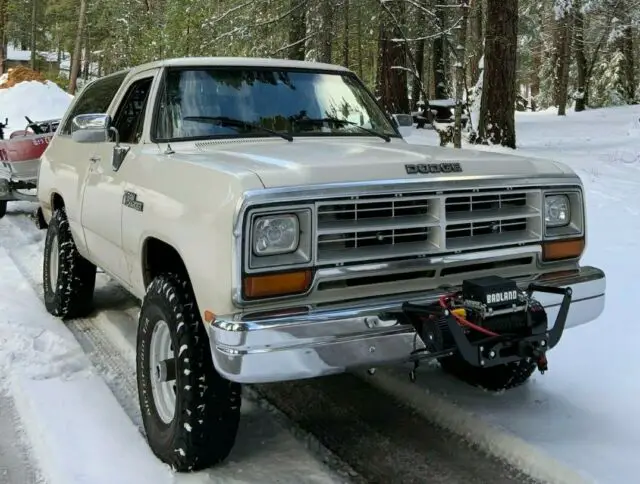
(463, 321)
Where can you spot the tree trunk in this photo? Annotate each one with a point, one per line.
(392, 82)
(562, 67)
(87, 63)
(75, 62)
(460, 73)
(297, 30)
(345, 44)
(476, 40)
(326, 31)
(34, 13)
(536, 65)
(497, 112)
(416, 85)
(3, 43)
(581, 59)
(439, 64)
(629, 71)
(359, 35)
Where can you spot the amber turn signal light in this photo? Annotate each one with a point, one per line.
(562, 249)
(283, 284)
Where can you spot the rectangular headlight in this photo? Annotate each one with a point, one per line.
(278, 238)
(557, 210)
(275, 234)
(563, 213)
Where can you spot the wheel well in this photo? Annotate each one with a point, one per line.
(158, 257)
(56, 202)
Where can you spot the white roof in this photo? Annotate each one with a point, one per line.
(238, 62)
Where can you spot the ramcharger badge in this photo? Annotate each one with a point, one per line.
(502, 297)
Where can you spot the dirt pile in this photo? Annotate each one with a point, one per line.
(20, 74)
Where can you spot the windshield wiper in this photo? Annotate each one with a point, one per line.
(226, 121)
(384, 136)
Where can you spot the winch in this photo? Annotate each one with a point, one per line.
(490, 321)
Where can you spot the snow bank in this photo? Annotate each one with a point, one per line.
(34, 99)
(79, 432)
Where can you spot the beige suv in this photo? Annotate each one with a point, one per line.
(277, 226)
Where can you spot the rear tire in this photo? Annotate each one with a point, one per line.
(3, 208)
(69, 279)
(191, 421)
(495, 378)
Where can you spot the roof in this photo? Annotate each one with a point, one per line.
(237, 62)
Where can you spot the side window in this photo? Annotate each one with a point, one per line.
(129, 118)
(95, 98)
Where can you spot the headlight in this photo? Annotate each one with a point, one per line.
(276, 234)
(557, 210)
(278, 240)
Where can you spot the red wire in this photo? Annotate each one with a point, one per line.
(464, 322)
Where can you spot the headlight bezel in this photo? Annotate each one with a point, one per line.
(575, 226)
(298, 258)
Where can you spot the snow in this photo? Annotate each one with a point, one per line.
(583, 411)
(53, 384)
(34, 99)
(15, 54)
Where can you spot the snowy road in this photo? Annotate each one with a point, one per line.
(287, 437)
(16, 464)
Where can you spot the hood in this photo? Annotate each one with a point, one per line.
(279, 163)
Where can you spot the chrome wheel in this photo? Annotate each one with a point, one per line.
(163, 372)
(54, 263)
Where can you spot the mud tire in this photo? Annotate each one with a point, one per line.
(71, 296)
(207, 407)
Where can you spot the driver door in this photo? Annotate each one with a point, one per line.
(103, 198)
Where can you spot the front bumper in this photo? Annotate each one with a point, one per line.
(317, 342)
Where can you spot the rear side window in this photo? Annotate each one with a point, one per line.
(95, 98)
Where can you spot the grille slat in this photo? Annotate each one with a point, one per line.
(366, 225)
(489, 216)
(408, 225)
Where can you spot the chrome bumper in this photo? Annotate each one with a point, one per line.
(277, 347)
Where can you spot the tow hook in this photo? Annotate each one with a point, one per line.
(542, 363)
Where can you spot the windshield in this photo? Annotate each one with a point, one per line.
(292, 102)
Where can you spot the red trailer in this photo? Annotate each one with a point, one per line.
(20, 159)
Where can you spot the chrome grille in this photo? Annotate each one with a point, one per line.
(412, 224)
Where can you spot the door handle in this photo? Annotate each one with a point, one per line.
(94, 159)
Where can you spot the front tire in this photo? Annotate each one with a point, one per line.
(191, 420)
(3, 208)
(68, 278)
(495, 378)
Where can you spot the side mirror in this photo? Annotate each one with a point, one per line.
(90, 128)
(119, 151)
(404, 122)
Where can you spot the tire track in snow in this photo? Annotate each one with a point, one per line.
(106, 357)
(24, 244)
